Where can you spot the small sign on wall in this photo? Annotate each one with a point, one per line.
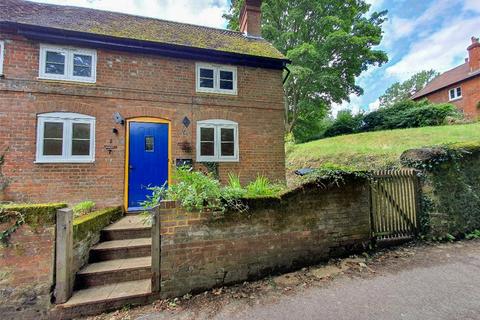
(184, 163)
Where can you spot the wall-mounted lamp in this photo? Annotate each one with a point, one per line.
(118, 118)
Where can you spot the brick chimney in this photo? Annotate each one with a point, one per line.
(251, 18)
(474, 55)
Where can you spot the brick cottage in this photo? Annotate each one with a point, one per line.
(98, 105)
(460, 85)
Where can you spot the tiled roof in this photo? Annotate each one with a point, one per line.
(446, 79)
(126, 26)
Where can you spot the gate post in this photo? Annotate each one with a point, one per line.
(64, 256)
(156, 242)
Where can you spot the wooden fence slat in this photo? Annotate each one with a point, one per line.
(395, 203)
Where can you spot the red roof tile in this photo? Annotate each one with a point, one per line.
(446, 79)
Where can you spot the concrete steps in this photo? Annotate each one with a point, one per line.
(99, 299)
(113, 271)
(130, 227)
(118, 273)
(121, 249)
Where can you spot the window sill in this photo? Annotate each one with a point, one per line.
(53, 80)
(214, 92)
(456, 99)
(217, 160)
(63, 161)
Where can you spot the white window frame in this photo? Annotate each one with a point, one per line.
(68, 119)
(216, 78)
(218, 124)
(2, 55)
(455, 91)
(69, 54)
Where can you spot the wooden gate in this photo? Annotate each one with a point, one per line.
(395, 204)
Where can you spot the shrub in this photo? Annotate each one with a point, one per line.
(345, 123)
(83, 208)
(409, 114)
(198, 191)
(262, 187)
(195, 190)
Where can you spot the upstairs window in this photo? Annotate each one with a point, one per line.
(2, 53)
(216, 79)
(65, 63)
(455, 93)
(217, 141)
(65, 137)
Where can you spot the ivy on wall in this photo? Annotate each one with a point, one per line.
(451, 187)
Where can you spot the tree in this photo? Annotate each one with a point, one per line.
(399, 92)
(330, 43)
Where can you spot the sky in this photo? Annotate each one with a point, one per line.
(418, 35)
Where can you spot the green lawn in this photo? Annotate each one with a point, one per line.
(374, 150)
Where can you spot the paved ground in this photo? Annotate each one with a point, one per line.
(438, 282)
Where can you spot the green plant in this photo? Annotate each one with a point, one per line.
(83, 208)
(6, 217)
(473, 235)
(195, 190)
(262, 187)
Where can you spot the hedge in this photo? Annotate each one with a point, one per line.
(95, 221)
(36, 214)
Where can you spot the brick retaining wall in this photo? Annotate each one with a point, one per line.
(304, 227)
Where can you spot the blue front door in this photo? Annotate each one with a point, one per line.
(148, 160)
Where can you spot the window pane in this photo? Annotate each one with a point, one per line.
(52, 147)
(81, 131)
(226, 75)
(207, 149)
(53, 130)
(80, 147)
(55, 57)
(452, 94)
(207, 134)
(459, 92)
(55, 63)
(54, 68)
(149, 144)
(226, 85)
(82, 71)
(206, 73)
(228, 149)
(82, 60)
(206, 83)
(227, 135)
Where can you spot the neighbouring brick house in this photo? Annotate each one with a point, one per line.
(96, 105)
(460, 85)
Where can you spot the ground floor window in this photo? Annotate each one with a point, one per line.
(217, 141)
(455, 93)
(65, 137)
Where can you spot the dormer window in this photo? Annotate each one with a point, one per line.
(67, 63)
(216, 79)
(455, 93)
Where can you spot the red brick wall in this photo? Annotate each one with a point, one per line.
(134, 85)
(26, 271)
(306, 226)
(468, 104)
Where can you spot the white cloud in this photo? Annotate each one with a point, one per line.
(374, 106)
(376, 4)
(354, 105)
(472, 5)
(201, 12)
(441, 50)
(398, 28)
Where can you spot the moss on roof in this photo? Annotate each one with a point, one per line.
(134, 27)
